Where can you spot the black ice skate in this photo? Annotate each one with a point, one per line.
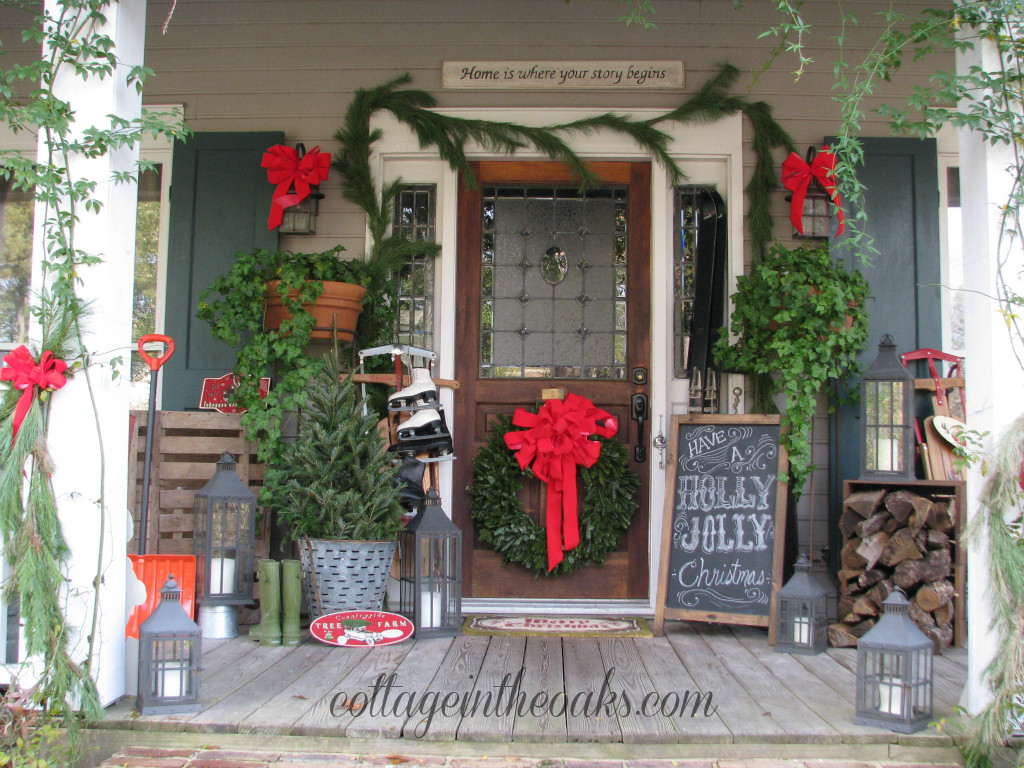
(424, 431)
(410, 483)
(421, 392)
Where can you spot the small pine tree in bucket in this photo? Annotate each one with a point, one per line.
(337, 491)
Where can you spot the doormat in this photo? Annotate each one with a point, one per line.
(561, 626)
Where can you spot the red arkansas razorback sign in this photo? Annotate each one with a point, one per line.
(216, 393)
(359, 629)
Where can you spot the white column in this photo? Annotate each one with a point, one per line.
(994, 378)
(74, 439)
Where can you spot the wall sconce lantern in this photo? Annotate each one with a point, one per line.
(300, 219)
(812, 218)
(886, 403)
(225, 541)
(431, 571)
(170, 648)
(802, 613)
(894, 671)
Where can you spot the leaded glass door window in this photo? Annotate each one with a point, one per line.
(553, 283)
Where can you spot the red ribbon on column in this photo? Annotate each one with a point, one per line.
(556, 440)
(287, 170)
(797, 174)
(21, 370)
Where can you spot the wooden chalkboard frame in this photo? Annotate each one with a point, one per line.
(663, 612)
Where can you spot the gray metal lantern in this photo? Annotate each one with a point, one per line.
(802, 613)
(170, 649)
(887, 420)
(894, 671)
(431, 571)
(225, 541)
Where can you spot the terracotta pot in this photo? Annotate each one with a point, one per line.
(340, 303)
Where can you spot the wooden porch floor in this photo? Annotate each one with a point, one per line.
(758, 696)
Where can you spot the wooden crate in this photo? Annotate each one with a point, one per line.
(186, 448)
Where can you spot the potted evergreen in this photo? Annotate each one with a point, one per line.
(336, 490)
(798, 321)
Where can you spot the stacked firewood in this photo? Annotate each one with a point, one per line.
(896, 538)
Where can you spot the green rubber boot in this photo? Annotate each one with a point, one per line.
(291, 602)
(268, 632)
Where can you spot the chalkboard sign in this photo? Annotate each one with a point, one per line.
(725, 513)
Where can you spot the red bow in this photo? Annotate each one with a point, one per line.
(287, 170)
(25, 375)
(557, 439)
(797, 175)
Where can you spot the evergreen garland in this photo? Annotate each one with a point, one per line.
(606, 506)
(999, 525)
(449, 135)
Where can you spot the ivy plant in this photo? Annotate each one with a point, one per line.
(798, 322)
(233, 307)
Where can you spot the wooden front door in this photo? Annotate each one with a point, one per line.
(553, 291)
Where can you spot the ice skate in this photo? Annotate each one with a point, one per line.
(424, 431)
(421, 391)
(410, 482)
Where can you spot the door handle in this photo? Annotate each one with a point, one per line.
(640, 414)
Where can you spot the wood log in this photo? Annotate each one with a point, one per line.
(937, 564)
(844, 605)
(868, 579)
(944, 614)
(933, 595)
(850, 619)
(941, 636)
(880, 591)
(902, 503)
(872, 547)
(848, 522)
(861, 629)
(863, 606)
(839, 636)
(849, 580)
(920, 616)
(892, 524)
(920, 539)
(937, 539)
(942, 516)
(849, 557)
(872, 525)
(864, 503)
(899, 547)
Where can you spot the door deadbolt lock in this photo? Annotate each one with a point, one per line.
(639, 375)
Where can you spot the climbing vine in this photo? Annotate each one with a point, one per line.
(72, 36)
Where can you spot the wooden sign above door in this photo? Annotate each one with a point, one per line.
(561, 75)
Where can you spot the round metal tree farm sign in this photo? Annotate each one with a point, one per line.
(359, 629)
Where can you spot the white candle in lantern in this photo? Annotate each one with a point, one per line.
(172, 680)
(802, 630)
(430, 609)
(890, 695)
(222, 576)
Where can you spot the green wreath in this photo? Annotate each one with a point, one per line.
(606, 506)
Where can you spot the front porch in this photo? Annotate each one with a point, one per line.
(800, 705)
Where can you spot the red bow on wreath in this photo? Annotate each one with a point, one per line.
(557, 439)
(288, 170)
(21, 370)
(797, 174)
